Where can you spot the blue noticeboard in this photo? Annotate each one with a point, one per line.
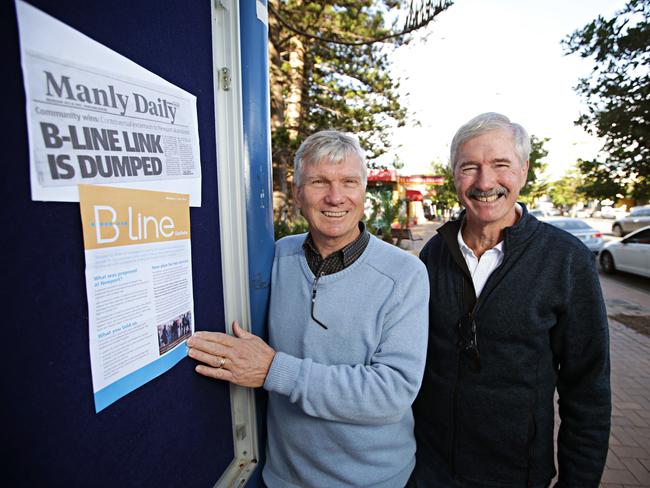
(175, 430)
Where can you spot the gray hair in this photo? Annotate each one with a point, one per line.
(488, 122)
(333, 147)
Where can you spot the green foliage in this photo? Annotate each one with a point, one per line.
(384, 212)
(617, 94)
(599, 182)
(535, 188)
(346, 87)
(564, 192)
(289, 227)
(446, 196)
(536, 166)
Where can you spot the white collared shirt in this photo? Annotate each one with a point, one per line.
(481, 269)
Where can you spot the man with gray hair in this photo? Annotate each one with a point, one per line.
(516, 312)
(347, 337)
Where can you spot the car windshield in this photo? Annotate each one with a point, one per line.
(571, 224)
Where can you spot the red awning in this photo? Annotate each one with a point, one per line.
(423, 180)
(382, 175)
(414, 195)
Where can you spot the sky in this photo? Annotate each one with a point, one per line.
(496, 56)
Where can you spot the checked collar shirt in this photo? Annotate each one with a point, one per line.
(339, 260)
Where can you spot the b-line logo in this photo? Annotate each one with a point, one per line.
(139, 228)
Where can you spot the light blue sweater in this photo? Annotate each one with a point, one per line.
(339, 410)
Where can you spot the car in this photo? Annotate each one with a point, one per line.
(538, 212)
(608, 212)
(455, 213)
(589, 236)
(639, 217)
(631, 254)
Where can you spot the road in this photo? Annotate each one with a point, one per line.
(624, 293)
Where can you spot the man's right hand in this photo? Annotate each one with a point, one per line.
(243, 359)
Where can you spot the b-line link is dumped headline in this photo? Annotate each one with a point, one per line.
(108, 165)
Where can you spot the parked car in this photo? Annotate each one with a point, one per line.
(639, 217)
(608, 212)
(539, 213)
(455, 213)
(584, 213)
(589, 236)
(631, 254)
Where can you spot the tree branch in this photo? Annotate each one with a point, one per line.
(414, 21)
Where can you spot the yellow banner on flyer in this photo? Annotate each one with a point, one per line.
(113, 217)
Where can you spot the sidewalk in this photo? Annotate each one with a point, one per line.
(628, 460)
(422, 233)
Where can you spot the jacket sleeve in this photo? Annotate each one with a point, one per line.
(375, 393)
(581, 349)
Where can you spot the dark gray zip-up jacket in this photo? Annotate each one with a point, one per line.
(541, 324)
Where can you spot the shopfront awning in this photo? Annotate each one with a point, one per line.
(382, 175)
(413, 195)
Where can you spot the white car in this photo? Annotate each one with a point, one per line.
(631, 254)
(538, 212)
(612, 213)
(584, 213)
(589, 236)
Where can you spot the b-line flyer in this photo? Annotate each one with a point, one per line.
(138, 283)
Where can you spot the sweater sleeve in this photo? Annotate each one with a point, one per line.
(375, 393)
(581, 347)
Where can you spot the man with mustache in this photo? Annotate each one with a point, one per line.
(516, 312)
(347, 337)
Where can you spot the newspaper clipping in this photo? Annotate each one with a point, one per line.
(88, 125)
(138, 283)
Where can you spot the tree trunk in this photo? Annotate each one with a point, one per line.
(286, 106)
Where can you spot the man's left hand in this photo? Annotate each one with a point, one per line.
(243, 359)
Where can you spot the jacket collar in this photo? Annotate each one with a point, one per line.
(515, 239)
(449, 231)
(513, 236)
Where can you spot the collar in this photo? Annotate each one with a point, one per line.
(513, 236)
(465, 249)
(338, 260)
